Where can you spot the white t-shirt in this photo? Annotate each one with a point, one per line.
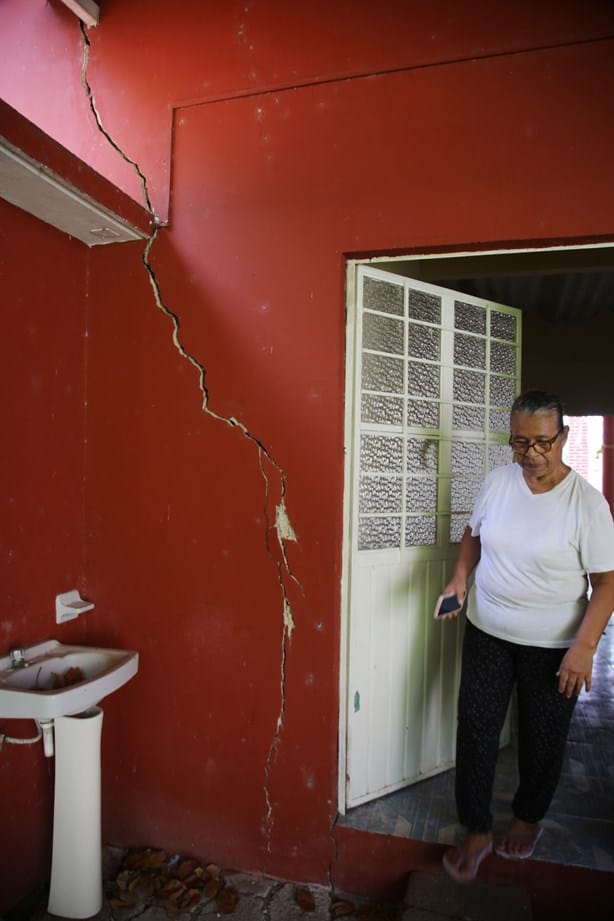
(530, 583)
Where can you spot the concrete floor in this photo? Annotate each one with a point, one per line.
(579, 826)
(147, 885)
(429, 897)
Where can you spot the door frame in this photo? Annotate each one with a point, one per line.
(351, 319)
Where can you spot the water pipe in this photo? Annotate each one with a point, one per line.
(12, 741)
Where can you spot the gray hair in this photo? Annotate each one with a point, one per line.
(538, 401)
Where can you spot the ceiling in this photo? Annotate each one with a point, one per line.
(561, 286)
(565, 298)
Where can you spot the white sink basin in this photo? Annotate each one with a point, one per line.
(36, 691)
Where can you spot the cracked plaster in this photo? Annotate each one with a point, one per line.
(283, 527)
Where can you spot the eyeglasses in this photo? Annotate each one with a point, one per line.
(541, 445)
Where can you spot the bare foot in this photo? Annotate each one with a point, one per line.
(520, 840)
(463, 861)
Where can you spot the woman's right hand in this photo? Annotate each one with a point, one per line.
(456, 586)
(468, 556)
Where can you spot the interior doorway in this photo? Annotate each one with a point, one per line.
(564, 294)
(584, 448)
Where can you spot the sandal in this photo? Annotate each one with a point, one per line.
(469, 873)
(529, 838)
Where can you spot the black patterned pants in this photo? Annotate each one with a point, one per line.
(490, 668)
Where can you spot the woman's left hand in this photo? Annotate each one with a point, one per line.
(576, 669)
(577, 664)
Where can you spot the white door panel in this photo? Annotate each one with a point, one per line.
(433, 375)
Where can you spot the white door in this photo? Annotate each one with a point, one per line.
(432, 374)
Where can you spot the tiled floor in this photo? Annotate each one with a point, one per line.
(579, 828)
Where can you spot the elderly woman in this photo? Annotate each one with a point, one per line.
(537, 532)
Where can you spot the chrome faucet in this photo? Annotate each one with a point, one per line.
(18, 658)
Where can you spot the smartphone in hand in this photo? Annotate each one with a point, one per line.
(447, 604)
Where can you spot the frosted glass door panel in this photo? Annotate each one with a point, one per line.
(434, 375)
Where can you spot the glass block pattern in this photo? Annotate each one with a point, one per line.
(424, 342)
(467, 457)
(380, 453)
(498, 455)
(468, 418)
(379, 494)
(383, 334)
(382, 296)
(469, 351)
(423, 413)
(503, 326)
(423, 380)
(464, 493)
(421, 494)
(503, 358)
(405, 478)
(382, 373)
(469, 317)
(502, 391)
(499, 420)
(423, 306)
(379, 533)
(381, 410)
(468, 386)
(458, 523)
(422, 455)
(420, 531)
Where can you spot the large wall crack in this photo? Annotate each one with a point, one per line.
(282, 526)
(101, 128)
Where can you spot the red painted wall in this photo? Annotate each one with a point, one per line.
(42, 466)
(225, 745)
(145, 60)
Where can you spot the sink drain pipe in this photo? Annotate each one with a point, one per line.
(10, 740)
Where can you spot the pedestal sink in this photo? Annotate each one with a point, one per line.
(60, 687)
(35, 689)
